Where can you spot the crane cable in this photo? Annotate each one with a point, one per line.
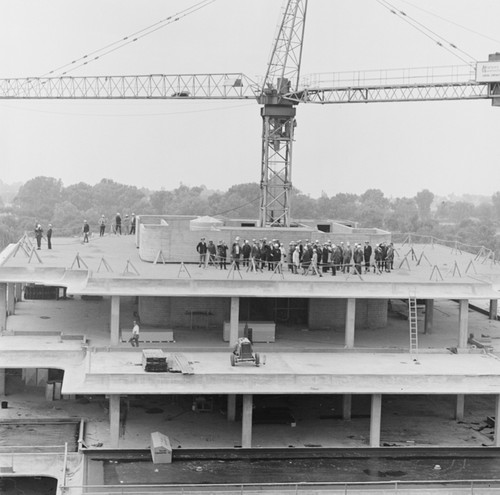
(425, 31)
(237, 207)
(131, 38)
(485, 36)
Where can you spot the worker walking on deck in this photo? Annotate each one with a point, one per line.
(134, 340)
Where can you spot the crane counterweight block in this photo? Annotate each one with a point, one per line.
(277, 111)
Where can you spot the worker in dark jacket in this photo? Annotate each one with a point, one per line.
(367, 254)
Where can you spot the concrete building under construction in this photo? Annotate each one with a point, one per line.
(371, 360)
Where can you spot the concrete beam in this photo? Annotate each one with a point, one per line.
(234, 320)
(460, 407)
(375, 420)
(493, 309)
(3, 307)
(114, 420)
(429, 316)
(246, 421)
(463, 323)
(114, 323)
(11, 299)
(346, 407)
(231, 407)
(350, 319)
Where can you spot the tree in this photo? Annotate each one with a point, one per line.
(38, 197)
(81, 195)
(424, 201)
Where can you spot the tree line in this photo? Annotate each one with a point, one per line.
(46, 200)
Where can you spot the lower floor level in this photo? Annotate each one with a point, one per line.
(257, 421)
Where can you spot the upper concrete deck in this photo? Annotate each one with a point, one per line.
(111, 265)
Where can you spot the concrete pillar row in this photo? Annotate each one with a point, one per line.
(429, 316)
(234, 321)
(350, 320)
(246, 421)
(11, 299)
(114, 324)
(463, 323)
(114, 420)
(375, 420)
(3, 307)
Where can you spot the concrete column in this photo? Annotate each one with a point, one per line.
(30, 377)
(114, 420)
(234, 320)
(350, 317)
(246, 421)
(115, 320)
(496, 439)
(2, 381)
(231, 407)
(346, 406)
(429, 315)
(493, 309)
(375, 420)
(3, 307)
(463, 324)
(460, 407)
(42, 377)
(10, 299)
(19, 291)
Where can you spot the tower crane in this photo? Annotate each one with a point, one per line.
(280, 92)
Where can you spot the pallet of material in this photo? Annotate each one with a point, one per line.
(180, 364)
(154, 360)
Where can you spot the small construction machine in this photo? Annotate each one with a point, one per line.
(243, 353)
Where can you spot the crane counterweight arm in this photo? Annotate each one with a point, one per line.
(392, 93)
(223, 86)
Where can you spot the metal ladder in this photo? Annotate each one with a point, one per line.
(412, 319)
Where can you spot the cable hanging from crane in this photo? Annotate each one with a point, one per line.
(482, 35)
(429, 33)
(131, 38)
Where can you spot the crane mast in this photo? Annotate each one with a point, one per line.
(278, 116)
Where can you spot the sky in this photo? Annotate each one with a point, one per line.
(399, 148)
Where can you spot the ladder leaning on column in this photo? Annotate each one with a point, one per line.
(412, 319)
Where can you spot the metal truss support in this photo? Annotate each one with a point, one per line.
(278, 123)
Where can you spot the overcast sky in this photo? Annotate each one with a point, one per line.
(400, 148)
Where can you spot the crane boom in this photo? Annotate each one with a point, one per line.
(225, 86)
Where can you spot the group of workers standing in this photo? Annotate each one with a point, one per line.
(125, 225)
(300, 257)
(119, 226)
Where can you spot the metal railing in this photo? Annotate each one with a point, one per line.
(393, 77)
(473, 487)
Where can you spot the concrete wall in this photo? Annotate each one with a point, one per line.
(330, 313)
(175, 312)
(171, 312)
